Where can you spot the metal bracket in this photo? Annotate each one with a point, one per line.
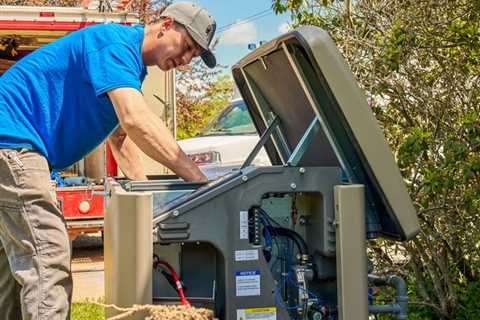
(304, 143)
(263, 139)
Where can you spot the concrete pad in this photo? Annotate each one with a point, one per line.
(88, 285)
(87, 268)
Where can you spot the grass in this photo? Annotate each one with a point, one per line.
(88, 310)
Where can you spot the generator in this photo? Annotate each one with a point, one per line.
(285, 241)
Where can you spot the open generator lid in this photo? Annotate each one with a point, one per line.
(300, 83)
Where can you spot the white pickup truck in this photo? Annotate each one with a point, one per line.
(226, 142)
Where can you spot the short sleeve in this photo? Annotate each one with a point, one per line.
(114, 66)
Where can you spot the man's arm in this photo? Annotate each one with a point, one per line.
(126, 154)
(149, 133)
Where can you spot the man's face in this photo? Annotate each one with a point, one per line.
(178, 47)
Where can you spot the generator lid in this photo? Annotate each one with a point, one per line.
(301, 80)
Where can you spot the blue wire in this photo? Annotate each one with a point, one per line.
(286, 278)
(303, 289)
(279, 299)
(263, 213)
(267, 223)
(266, 220)
(268, 237)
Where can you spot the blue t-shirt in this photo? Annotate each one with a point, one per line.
(55, 99)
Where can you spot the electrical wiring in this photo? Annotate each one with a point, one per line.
(244, 19)
(281, 231)
(266, 224)
(279, 299)
(295, 283)
(292, 235)
(271, 231)
(251, 18)
(270, 234)
(271, 237)
(266, 216)
(157, 262)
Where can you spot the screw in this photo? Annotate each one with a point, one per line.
(302, 220)
(293, 185)
(176, 213)
(302, 170)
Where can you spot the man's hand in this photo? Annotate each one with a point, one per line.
(149, 133)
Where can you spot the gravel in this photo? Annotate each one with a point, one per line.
(165, 312)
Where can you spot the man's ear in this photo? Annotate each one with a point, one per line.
(166, 24)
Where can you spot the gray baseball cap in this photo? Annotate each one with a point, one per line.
(199, 24)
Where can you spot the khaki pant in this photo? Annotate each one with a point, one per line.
(35, 276)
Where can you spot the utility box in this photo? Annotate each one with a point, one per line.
(286, 241)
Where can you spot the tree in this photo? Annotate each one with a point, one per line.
(419, 64)
(148, 10)
(46, 3)
(201, 94)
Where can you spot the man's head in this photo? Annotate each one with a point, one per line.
(185, 31)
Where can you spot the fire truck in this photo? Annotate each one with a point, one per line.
(79, 188)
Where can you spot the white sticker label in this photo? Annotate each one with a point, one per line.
(244, 225)
(246, 255)
(257, 314)
(247, 283)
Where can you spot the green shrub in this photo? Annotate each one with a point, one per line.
(468, 305)
(88, 310)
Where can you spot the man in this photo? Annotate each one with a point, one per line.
(58, 104)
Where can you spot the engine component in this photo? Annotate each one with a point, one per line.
(172, 276)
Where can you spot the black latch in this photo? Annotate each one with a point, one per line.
(173, 226)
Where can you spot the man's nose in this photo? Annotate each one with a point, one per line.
(182, 61)
(179, 62)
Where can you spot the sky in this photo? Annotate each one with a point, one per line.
(236, 32)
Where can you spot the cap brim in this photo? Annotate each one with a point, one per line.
(207, 56)
(209, 59)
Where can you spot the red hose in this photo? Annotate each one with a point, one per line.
(178, 283)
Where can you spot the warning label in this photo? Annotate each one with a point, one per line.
(257, 314)
(246, 255)
(244, 225)
(247, 283)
